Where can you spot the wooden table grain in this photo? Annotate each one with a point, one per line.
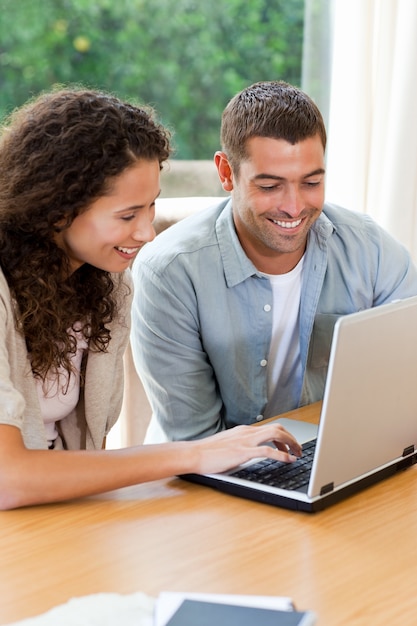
(354, 563)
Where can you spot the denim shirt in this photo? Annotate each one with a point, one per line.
(202, 316)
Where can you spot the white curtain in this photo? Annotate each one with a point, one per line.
(372, 118)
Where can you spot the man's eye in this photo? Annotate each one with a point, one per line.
(268, 187)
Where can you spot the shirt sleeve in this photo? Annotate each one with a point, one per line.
(12, 404)
(169, 355)
(396, 274)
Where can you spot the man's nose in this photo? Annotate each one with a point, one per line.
(293, 201)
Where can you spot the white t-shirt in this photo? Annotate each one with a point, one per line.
(284, 362)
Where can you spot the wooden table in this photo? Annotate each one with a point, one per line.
(354, 563)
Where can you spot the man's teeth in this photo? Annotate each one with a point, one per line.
(287, 224)
(126, 250)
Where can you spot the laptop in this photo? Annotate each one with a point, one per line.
(368, 422)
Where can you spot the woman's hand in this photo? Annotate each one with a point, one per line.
(237, 445)
(38, 476)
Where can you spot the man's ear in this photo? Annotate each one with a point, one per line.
(224, 170)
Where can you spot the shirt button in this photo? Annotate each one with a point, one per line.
(264, 362)
(267, 307)
(259, 418)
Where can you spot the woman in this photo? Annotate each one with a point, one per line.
(79, 175)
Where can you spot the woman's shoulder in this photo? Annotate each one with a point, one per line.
(122, 281)
(5, 294)
(123, 288)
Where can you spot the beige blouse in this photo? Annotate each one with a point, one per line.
(100, 398)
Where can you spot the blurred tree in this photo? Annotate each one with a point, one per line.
(187, 58)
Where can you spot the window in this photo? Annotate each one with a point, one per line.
(187, 58)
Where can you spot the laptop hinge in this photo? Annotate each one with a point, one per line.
(326, 489)
(408, 450)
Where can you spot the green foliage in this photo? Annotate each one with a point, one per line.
(186, 58)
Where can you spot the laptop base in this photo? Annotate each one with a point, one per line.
(309, 505)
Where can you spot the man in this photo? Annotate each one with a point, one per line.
(235, 307)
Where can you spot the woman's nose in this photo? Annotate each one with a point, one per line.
(145, 231)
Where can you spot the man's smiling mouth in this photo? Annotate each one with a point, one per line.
(287, 224)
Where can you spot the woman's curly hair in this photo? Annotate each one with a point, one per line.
(59, 153)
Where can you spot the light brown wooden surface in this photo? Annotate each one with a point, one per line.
(354, 563)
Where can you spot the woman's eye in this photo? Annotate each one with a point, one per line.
(127, 218)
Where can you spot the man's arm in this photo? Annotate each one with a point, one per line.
(396, 276)
(169, 356)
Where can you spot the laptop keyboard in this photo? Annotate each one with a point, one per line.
(291, 476)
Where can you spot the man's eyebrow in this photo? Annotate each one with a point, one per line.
(317, 172)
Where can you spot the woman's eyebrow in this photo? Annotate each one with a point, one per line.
(134, 207)
(130, 208)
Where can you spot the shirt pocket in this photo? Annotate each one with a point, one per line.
(321, 339)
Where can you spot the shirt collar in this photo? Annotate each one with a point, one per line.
(237, 266)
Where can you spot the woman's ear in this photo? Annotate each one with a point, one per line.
(224, 170)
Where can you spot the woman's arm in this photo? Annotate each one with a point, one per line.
(30, 477)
